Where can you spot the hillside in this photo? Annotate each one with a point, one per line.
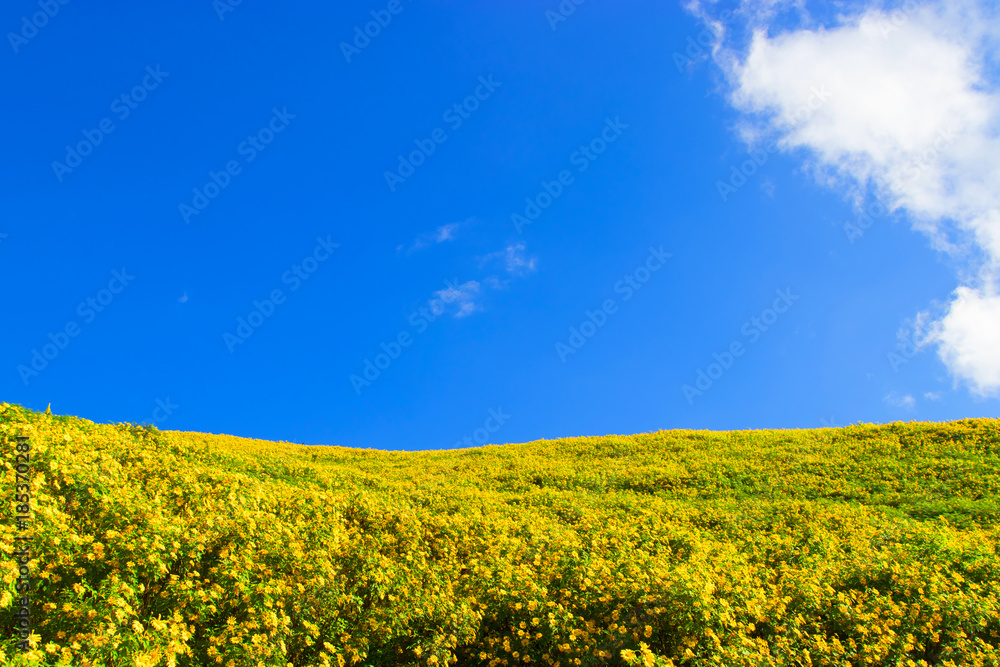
(864, 545)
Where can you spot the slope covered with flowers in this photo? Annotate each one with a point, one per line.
(865, 545)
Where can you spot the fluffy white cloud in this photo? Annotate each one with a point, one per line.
(968, 339)
(902, 104)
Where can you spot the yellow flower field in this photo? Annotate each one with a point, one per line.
(864, 545)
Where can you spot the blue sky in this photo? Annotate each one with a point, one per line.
(526, 203)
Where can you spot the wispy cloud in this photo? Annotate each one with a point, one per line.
(933, 396)
(464, 299)
(440, 235)
(460, 299)
(446, 232)
(913, 118)
(515, 260)
(898, 401)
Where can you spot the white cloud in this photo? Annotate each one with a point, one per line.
(495, 283)
(968, 339)
(461, 299)
(441, 234)
(933, 396)
(898, 401)
(911, 116)
(514, 259)
(446, 232)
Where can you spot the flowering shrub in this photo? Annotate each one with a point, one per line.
(866, 545)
